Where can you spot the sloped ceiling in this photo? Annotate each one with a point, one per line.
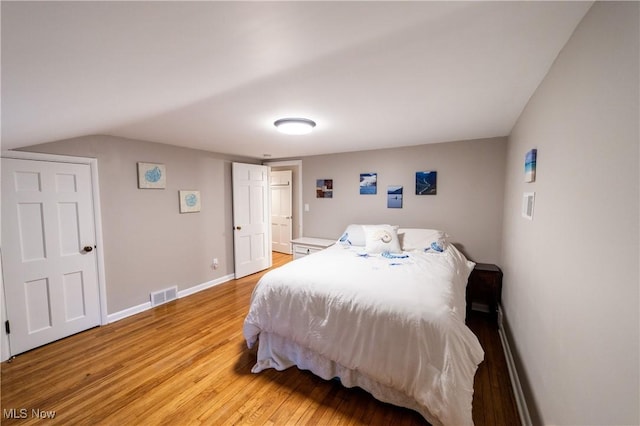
(216, 75)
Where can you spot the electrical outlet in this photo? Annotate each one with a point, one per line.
(215, 263)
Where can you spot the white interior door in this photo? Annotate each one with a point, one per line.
(49, 263)
(251, 218)
(281, 184)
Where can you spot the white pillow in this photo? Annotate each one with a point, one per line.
(381, 238)
(420, 239)
(353, 236)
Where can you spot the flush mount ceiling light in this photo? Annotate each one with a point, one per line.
(294, 126)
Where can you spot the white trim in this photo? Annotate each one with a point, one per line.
(38, 156)
(297, 163)
(117, 316)
(97, 212)
(102, 280)
(521, 403)
(195, 289)
(5, 351)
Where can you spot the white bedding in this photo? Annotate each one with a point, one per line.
(394, 327)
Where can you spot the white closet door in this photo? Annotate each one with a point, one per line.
(281, 185)
(48, 250)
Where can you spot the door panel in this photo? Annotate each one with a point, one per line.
(68, 228)
(30, 224)
(50, 281)
(38, 305)
(73, 288)
(252, 240)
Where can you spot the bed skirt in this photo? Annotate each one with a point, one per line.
(280, 353)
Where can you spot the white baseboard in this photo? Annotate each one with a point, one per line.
(195, 289)
(117, 316)
(521, 403)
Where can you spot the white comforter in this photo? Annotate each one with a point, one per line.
(399, 322)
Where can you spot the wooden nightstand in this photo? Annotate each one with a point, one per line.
(485, 286)
(306, 245)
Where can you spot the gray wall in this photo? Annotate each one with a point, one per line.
(148, 244)
(571, 275)
(468, 205)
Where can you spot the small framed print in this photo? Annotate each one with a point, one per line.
(528, 202)
(394, 196)
(530, 160)
(368, 183)
(189, 201)
(324, 188)
(427, 183)
(152, 176)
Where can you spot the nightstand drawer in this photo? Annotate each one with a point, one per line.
(306, 245)
(299, 250)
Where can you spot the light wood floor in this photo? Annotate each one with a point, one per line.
(186, 363)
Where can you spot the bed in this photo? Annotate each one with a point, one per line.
(382, 309)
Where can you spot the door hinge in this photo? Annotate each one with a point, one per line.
(7, 328)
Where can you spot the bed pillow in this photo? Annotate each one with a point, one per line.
(353, 236)
(422, 239)
(381, 238)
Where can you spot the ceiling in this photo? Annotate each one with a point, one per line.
(216, 75)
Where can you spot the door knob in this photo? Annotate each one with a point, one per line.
(238, 228)
(87, 249)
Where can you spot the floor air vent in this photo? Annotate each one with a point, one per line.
(164, 296)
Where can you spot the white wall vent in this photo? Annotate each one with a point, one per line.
(164, 296)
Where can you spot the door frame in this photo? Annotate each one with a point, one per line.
(298, 181)
(97, 213)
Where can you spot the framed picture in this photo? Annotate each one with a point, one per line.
(394, 197)
(151, 176)
(528, 201)
(530, 165)
(324, 188)
(189, 201)
(426, 183)
(368, 183)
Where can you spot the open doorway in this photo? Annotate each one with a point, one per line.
(281, 210)
(295, 166)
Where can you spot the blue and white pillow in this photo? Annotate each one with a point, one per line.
(344, 240)
(436, 246)
(353, 236)
(423, 239)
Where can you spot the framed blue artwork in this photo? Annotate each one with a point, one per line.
(189, 201)
(426, 183)
(368, 183)
(394, 197)
(530, 165)
(152, 176)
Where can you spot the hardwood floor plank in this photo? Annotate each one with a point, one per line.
(186, 362)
